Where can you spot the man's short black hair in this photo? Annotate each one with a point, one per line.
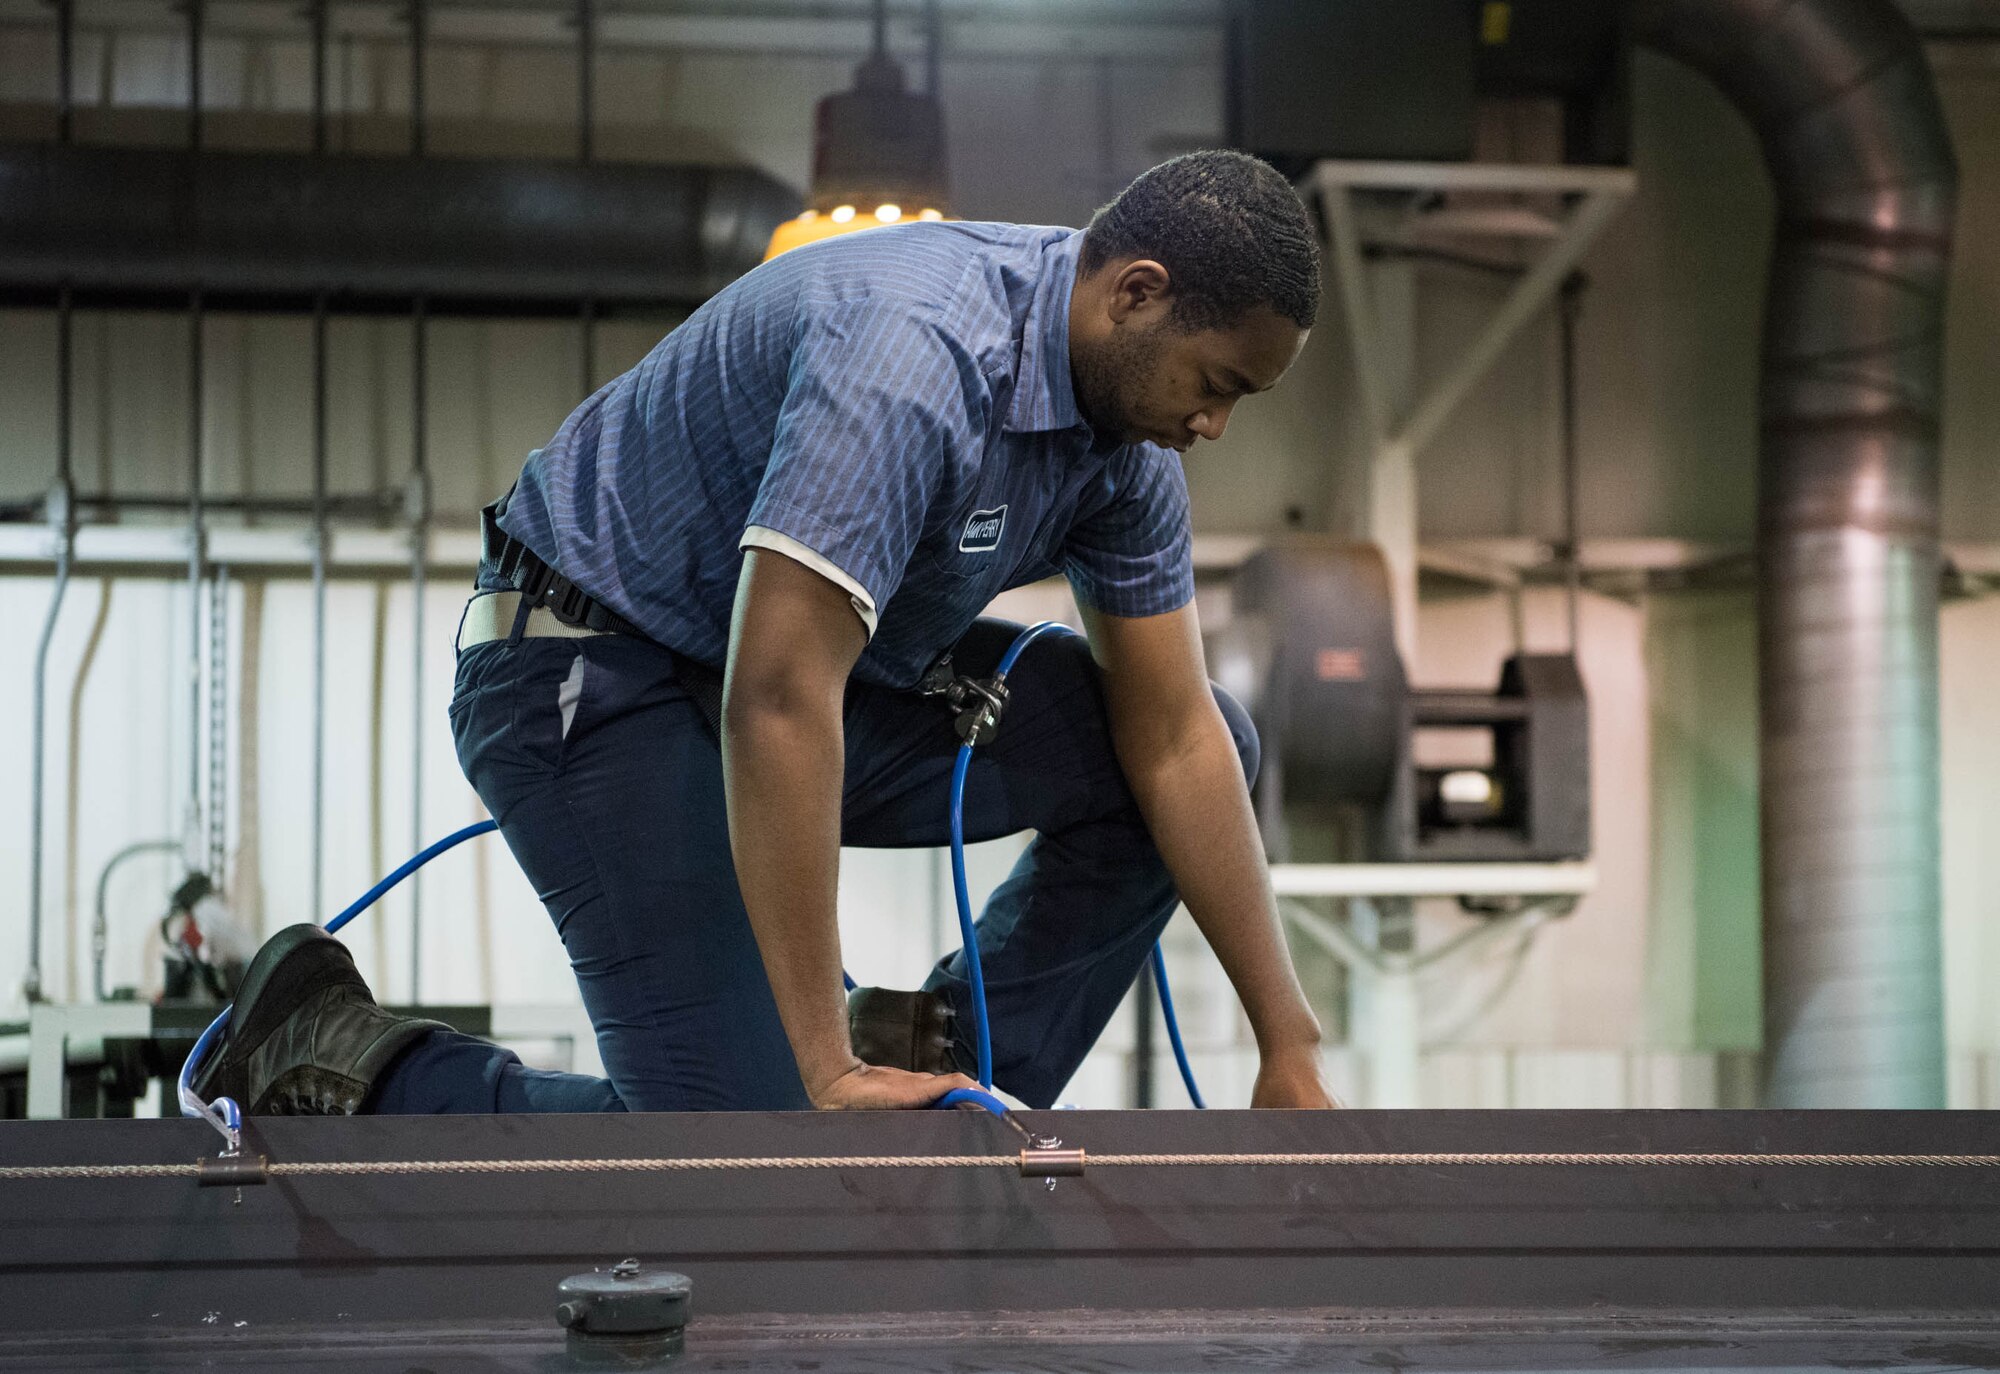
(1229, 229)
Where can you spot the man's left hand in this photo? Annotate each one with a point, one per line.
(1292, 1079)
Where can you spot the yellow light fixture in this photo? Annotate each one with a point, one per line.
(876, 145)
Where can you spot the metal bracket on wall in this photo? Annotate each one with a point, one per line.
(1431, 201)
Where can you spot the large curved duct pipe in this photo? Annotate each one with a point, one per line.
(1841, 99)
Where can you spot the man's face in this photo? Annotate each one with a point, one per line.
(1146, 379)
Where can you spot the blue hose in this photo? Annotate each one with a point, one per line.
(375, 893)
(983, 1039)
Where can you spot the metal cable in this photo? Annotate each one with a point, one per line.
(374, 1168)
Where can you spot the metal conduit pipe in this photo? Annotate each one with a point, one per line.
(197, 517)
(320, 537)
(1841, 99)
(62, 521)
(420, 543)
(100, 923)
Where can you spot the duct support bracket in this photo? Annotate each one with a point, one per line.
(1378, 307)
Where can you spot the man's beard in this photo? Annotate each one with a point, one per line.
(1110, 377)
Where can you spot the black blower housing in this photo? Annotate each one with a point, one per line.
(1310, 651)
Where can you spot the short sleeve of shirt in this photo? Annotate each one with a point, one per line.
(1133, 555)
(875, 408)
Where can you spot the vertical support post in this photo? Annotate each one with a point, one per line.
(218, 725)
(61, 512)
(316, 20)
(1388, 1013)
(65, 75)
(1570, 310)
(586, 150)
(420, 517)
(941, 898)
(586, 79)
(197, 537)
(419, 36)
(194, 18)
(197, 844)
(1378, 307)
(933, 46)
(319, 553)
(1392, 465)
(419, 512)
(1145, 1016)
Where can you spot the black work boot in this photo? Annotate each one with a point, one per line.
(901, 1030)
(305, 1037)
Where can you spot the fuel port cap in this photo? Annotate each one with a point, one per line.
(626, 1317)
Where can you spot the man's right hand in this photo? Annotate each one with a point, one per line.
(870, 1087)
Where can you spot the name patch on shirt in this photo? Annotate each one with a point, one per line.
(982, 531)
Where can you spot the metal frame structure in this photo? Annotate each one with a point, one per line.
(1666, 1256)
(61, 1034)
(1377, 307)
(1389, 204)
(1378, 944)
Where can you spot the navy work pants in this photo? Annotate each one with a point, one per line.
(607, 784)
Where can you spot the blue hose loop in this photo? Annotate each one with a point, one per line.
(982, 1035)
(1173, 1025)
(981, 1032)
(409, 866)
(224, 1114)
(972, 1097)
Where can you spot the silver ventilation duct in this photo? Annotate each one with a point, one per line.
(1841, 99)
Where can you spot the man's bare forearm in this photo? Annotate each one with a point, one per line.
(1198, 810)
(782, 769)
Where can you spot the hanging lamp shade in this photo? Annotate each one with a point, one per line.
(878, 158)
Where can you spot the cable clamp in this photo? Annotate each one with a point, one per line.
(231, 1169)
(1045, 1157)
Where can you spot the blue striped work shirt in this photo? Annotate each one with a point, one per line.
(896, 401)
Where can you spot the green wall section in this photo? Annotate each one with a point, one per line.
(1704, 956)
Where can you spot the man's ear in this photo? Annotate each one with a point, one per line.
(1139, 288)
